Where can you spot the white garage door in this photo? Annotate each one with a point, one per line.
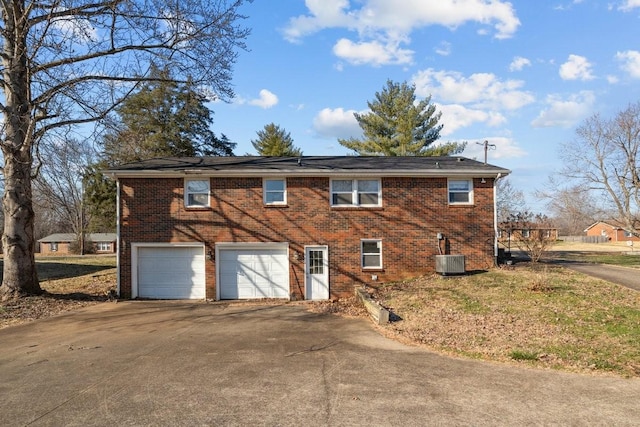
(253, 273)
(171, 272)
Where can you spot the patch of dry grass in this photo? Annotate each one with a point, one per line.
(541, 316)
(69, 283)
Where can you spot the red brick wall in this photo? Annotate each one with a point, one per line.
(614, 234)
(64, 248)
(414, 210)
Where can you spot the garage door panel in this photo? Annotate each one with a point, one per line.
(171, 272)
(253, 273)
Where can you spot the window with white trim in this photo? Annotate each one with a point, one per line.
(196, 193)
(356, 192)
(460, 191)
(103, 246)
(628, 233)
(53, 246)
(371, 250)
(274, 191)
(526, 233)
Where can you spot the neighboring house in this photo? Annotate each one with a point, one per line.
(61, 243)
(505, 235)
(297, 228)
(612, 230)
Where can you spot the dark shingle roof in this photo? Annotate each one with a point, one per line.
(307, 165)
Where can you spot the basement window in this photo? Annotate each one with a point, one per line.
(371, 253)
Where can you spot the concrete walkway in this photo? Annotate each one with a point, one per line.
(189, 363)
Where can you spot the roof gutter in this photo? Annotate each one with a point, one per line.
(258, 173)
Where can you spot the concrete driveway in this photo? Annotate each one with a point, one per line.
(189, 363)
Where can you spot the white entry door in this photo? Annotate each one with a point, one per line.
(316, 267)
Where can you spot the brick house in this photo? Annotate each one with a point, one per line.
(297, 228)
(611, 229)
(62, 243)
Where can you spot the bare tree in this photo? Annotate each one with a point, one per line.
(60, 183)
(531, 233)
(509, 199)
(70, 62)
(573, 207)
(604, 158)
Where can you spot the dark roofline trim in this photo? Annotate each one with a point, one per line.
(308, 166)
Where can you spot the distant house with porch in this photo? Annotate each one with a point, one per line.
(65, 243)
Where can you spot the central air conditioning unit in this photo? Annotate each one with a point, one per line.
(450, 264)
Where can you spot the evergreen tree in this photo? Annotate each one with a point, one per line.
(398, 126)
(163, 119)
(99, 199)
(275, 141)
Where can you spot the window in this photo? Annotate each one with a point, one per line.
(526, 233)
(460, 192)
(355, 192)
(196, 193)
(371, 253)
(103, 246)
(628, 233)
(274, 191)
(53, 246)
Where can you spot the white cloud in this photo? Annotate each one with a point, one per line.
(77, 30)
(629, 5)
(385, 25)
(455, 117)
(519, 63)
(266, 100)
(374, 53)
(576, 68)
(630, 61)
(336, 123)
(443, 49)
(505, 148)
(481, 90)
(565, 112)
(391, 16)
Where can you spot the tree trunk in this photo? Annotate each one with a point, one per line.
(19, 266)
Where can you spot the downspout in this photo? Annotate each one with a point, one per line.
(118, 236)
(495, 218)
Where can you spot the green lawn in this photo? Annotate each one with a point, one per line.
(542, 316)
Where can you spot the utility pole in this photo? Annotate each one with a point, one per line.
(486, 148)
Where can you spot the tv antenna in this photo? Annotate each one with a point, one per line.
(487, 146)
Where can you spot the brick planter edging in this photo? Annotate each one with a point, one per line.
(378, 313)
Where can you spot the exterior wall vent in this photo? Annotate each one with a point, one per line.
(450, 264)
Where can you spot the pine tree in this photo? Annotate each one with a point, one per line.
(163, 119)
(398, 126)
(275, 141)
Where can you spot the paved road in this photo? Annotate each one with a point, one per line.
(625, 276)
(187, 363)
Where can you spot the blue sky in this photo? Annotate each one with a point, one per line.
(521, 74)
